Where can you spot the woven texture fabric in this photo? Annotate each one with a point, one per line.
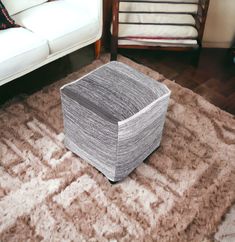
(5, 20)
(114, 118)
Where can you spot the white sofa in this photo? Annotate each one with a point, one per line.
(49, 30)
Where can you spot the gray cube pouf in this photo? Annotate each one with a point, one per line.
(114, 117)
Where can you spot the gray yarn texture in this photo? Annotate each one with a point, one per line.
(114, 118)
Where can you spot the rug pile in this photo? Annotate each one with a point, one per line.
(180, 193)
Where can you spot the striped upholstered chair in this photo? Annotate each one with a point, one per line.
(158, 24)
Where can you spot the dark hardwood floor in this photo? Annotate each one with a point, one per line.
(213, 77)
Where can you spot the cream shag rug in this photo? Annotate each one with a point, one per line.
(180, 193)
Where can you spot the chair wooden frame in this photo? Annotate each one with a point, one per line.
(200, 18)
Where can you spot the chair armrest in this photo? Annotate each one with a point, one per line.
(201, 17)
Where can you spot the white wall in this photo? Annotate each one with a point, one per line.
(220, 25)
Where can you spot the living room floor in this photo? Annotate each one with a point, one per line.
(213, 77)
(193, 168)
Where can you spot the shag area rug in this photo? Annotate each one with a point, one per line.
(180, 193)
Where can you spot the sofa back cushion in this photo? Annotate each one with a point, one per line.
(5, 20)
(16, 6)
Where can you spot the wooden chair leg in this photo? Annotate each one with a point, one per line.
(97, 48)
(114, 50)
(196, 57)
(114, 39)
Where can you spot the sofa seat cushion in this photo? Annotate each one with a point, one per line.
(16, 6)
(20, 49)
(64, 25)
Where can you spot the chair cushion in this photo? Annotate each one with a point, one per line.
(157, 31)
(64, 25)
(5, 20)
(157, 18)
(171, 24)
(20, 50)
(159, 7)
(160, 42)
(172, 1)
(16, 6)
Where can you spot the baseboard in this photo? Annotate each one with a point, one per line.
(216, 44)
